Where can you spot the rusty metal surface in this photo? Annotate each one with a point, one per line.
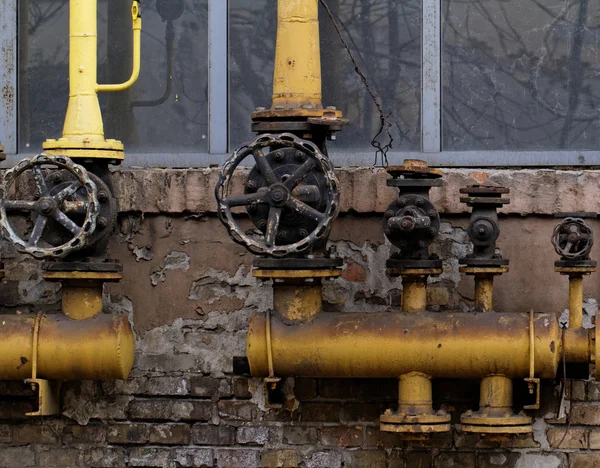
(483, 270)
(573, 239)
(415, 168)
(45, 206)
(388, 345)
(297, 274)
(295, 302)
(102, 347)
(278, 197)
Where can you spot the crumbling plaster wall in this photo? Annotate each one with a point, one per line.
(189, 292)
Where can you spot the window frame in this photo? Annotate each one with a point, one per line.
(218, 107)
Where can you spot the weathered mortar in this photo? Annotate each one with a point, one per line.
(189, 293)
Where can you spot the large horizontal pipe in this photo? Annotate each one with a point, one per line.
(101, 347)
(453, 345)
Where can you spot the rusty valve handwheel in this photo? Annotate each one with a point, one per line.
(48, 206)
(284, 194)
(573, 239)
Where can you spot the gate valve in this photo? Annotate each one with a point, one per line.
(291, 195)
(51, 207)
(573, 239)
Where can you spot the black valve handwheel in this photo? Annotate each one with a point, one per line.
(46, 206)
(285, 195)
(573, 239)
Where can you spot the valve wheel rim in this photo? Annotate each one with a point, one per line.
(45, 212)
(315, 159)
(565, 251)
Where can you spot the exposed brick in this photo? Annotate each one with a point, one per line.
(579, 390)
(321, 412)
(17, 457)
(38, 434)
(232, 458)
(341, 436)
(177, 386)
(193, 457)
(15, 409)
(593, 392)
(173, 410)
(305, 389)
(128, 433)
(240, 388)
(149, 457)
(594, 440)
(213, 435)
(497, 460)
(581, 460)
(454, 459)
(170, 434)
(376, 438)
(90, 434)
(207, 387)
(105, 457)
(361, 412)
(410, 459)
(279, 458)
(251, 435)
(365, 458)
(482, 441)
(585, 415)
(567, 439)
(354, 273)
(237, 410)
(5, 434)
(324, 459)
(298, 435)
(60, 457)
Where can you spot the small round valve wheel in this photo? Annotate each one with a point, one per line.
(26, 190)
(291, 195)
(573, 239)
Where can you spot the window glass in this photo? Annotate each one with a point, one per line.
(521, 75)
(386, 39)
(167, 108)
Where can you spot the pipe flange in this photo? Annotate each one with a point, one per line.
(415, 428)
(415, 423)
(483, 422)
(525, 429)
(478, 270)
(303, 195)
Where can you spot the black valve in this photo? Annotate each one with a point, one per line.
(573, 238)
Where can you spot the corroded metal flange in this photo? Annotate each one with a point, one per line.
(483, 270)
(296, 274)
(415, 168)
(107, 149)
(417, 423)
(482, 422)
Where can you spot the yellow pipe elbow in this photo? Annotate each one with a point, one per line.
(137, 39)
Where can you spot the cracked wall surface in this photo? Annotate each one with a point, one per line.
(189, 293)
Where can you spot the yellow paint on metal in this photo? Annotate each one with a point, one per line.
(82, 275)
(296, 274)
(81, 302)
(380, 345)
(297, 302)
(297, 77)
(484, 293)
(414, 293)
(526, 429)
(83, 128)
(99, 348)
(415, 393)
(470, 270)
(575, 301)
(414, 271)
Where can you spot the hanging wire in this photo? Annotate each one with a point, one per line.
(385, 124)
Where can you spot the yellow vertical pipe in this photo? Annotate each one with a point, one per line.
(496, 392)
(415, 393)
(575, 301)
(83, 121)
(484, 293)
(81, 301)
(297, 302)
(297, 77)
(414, 294)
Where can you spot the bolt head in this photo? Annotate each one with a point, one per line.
(279, 155)
(421, 244)
(433, 231)
(303, 233)
(102, 222)
(431, 213)
(282, 236)
(261, 224)
(300, 156)
(401, 202)
(419, 202)
(102, 196)
(251, 185)
(251, 208)
(389, 213)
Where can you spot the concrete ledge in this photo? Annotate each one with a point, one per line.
(364, 190)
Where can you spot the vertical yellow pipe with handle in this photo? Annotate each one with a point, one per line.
(83, 131)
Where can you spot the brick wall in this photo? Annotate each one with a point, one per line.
(189, 293)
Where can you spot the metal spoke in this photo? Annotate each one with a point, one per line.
(39, 180)
(264, 167)
(68, 191)
(38, 230)
(307, 193)
(272, 225)
(74, 207)
(19, 205)
(303, 208)
(66, 222)
(300, 173)
(248, 199)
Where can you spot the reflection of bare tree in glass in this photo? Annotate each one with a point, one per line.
(385, 37)
(520, 75)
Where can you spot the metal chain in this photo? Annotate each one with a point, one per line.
(385, 124)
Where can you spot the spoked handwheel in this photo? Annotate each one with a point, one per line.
(291, 195)
(73, 208)
(573, 239)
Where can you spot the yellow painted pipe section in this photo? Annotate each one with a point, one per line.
(297, 76)
(81, 301)
(102, 347)
(296, 302)
(83, 121)
(415, 393)
(496, 393)
(372, 345)
(484, 293)
(575, 301)
(414, 294)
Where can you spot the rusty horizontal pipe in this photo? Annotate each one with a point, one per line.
(453, 345)
(101, 347)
